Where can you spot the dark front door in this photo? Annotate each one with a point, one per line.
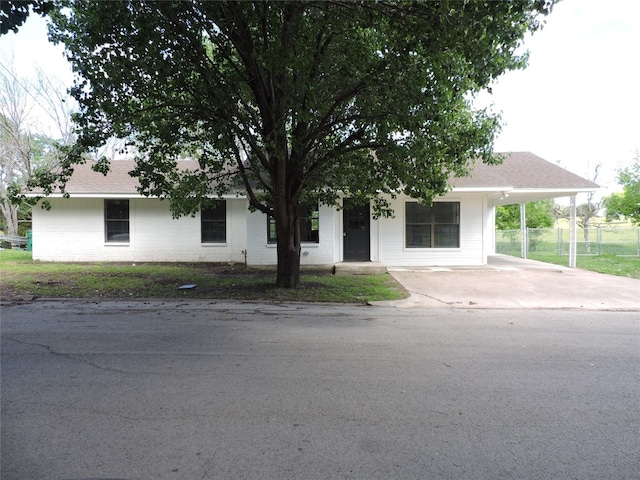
(356, 225)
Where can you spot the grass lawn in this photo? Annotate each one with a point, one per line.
(23, 277)
(611, 264)
(614, 252)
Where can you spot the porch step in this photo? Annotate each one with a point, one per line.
(360, 268)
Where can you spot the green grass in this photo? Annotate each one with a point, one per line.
(610, 264)
(613, 251)
(622, 266)
(615, 241)
(23, 277)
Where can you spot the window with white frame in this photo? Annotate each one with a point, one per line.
(213, 222)
(116, 221)
(432, 226)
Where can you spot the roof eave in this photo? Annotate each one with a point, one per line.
(506, 188)
(112, 195)
(533, 195)
(556, 192)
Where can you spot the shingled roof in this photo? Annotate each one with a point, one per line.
(87, 182)
(118, 181)
(522, 176)
(523, 170)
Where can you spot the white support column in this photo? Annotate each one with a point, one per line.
(524, 246)
(572, 232)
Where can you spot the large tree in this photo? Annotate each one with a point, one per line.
(35, 118)
(626, 203)
(13, 13)
(296, 101)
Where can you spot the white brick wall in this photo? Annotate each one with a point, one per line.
(73, 230)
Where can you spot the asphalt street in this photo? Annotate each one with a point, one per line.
(204, 390)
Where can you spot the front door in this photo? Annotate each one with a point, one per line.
(356, 223)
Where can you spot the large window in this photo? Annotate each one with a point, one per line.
(213, 223)
(309, 225)
(433, 226)
(116, 220)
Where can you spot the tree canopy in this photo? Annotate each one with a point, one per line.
(626, 203)
(26, 144)
(538, 215)
(14, 13)
(297, 101)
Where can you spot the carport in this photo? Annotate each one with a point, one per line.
(524, 177)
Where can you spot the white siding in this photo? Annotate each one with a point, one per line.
(259, 252)
(73, 230)
(391, 236)
(489, 230)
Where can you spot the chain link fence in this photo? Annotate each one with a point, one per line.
(555, 241)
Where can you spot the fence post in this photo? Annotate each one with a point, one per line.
(598, 241)
(572, 233)
(559, 244)
(523, 229)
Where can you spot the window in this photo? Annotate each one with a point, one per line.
(309, 225)
(213, 223)
(116, 220)
(434, 226)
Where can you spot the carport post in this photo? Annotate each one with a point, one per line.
(572, 232)
(524, 245)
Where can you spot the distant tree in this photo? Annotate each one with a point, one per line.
(626, 204)
(20, 153)
(538, 215)
(586, 212)
(297, 101)
(35, 119)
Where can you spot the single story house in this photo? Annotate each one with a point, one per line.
(106, 219)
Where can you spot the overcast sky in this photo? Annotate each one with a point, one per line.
(578, 102)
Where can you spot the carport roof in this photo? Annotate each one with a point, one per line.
(522, 177)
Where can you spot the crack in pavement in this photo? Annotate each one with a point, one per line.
(50, 350)
(420, 294)
(69, 356)
(75, 411)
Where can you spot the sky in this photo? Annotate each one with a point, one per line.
(578, 101)
(576, 104)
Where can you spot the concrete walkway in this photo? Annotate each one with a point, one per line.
(509, 282)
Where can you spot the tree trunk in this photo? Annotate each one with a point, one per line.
(587, 240)
(288, 235)
(10, 214)
(288, 275)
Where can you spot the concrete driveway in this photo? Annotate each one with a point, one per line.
(509, 282)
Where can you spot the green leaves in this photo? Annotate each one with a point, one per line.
(308, 84)
(298, 99)
(538, 215)
(626, 203)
